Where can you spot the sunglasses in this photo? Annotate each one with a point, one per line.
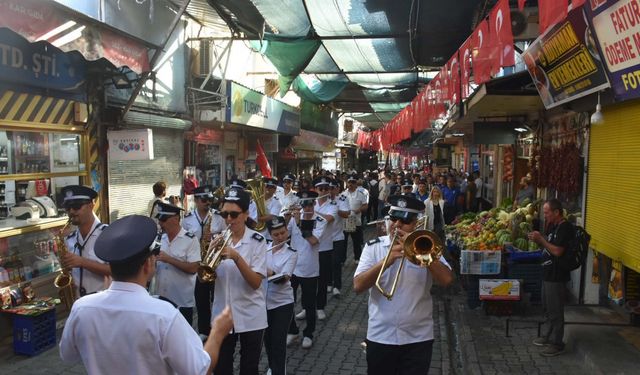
(403, 221)
(74, 205)
(322, 188)
(233, 214)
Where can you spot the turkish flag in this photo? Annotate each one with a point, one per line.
(501, 37)
(444, 83)
(465, 68)
(481, 53)
(454, 79)
(521, 4)
(261, 160)
(551, 11)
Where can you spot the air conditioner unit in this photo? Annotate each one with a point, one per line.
(524, 24)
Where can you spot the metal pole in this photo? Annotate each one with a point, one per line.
(154, 59)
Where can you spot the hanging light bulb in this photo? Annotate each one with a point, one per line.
(597, 118)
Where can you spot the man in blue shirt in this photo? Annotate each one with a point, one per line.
(450, 194)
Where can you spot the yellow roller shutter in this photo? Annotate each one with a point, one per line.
(613, 190)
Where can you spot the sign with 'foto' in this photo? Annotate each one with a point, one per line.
(130, 144)
(616, 26)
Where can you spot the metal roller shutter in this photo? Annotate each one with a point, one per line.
(612, 192)
(130, 182)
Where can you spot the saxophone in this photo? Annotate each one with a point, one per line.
(64, 281)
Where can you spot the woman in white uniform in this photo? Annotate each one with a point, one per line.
(281, 261)
(239, 285)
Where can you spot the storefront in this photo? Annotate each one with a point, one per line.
(307, 150)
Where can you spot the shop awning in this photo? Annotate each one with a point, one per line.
(312, 141)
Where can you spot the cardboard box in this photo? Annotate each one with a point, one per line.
(500, 289)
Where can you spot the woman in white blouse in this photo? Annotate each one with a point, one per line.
(281, 261)
(434, 211)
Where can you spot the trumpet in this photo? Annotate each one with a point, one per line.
(421, 247)
(213, 257)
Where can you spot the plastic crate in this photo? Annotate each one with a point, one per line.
(531, 276)
(34, 334)
(480, 262)
(520, 256)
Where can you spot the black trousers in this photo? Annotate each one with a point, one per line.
(372, 210)
(554, 294)
(275, 337)
(204, 299)
(250, 348)
(339, 257)
(356, 238)
(326, 265)
(409, 359)
(309, 287)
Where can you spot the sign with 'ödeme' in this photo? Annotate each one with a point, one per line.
(130, 144)
(616, 26)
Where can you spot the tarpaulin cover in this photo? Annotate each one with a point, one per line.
(315, 91)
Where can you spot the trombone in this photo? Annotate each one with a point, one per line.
(421, 247)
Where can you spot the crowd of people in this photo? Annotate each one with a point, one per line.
(234, 264)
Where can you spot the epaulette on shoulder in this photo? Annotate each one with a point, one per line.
(190, 235)
(292, 249)
(342, 197)
(189, 214)
(334, 203)
(215, 212)
(276, 198)
(269, 241)
(258, 237)
(103, 226)
(320, 219)
(373, 241)
(71, 235)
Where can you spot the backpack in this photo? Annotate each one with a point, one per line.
(577, 253)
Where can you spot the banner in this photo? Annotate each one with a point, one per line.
(251, 108)
(130, 144)
(481, 53)
(501, 37)
(562, 65)
(617, 38)
(551, 11)
(465, 68)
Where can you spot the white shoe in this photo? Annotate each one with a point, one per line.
(291, 338)
(301, 315)
(336, 292)
(329, 289)
(306, 343)
(321, 315)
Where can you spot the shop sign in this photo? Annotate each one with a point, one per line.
(130, 144)
(616, 26)
(252, 108)
(564, 63)
(313, 141)
(38, 64)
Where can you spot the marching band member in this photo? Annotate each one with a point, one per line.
(239, 284)
(241, 184)
(203, 221)
(358, 204)
(289, 197)
(339, 243)
(152, 337)
(178, 261)
(281, 261)
(306, 230)
(328, 210)
(89, 272)
(272, 203)
(399, 331)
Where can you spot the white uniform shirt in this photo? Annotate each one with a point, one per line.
(193, 223)
(289, 200)
(282, 262)
(218, 225)
(124, 330)
(171, 282)
(248, 306)
(253, 211)
(76, 244)
(279, 192)
(308, 264)
(356, 200)
(327, 208)
(337, 228)
(273, 208)
(408, 317)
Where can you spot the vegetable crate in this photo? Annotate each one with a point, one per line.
(480, 262)
(34, 334)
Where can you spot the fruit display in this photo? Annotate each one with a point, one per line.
(492, 230)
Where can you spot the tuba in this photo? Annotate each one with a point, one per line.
(421, 247)
(256, 187)
(213, 257)
(64, 281)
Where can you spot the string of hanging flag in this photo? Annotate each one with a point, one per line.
(488, 49)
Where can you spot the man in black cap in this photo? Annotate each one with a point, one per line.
(179, 259)
(90, 274)
(289, 197)
(358, 202)
(123, 329)
(271, 202)
(203, 221)
(400, 330)
(328, 209)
